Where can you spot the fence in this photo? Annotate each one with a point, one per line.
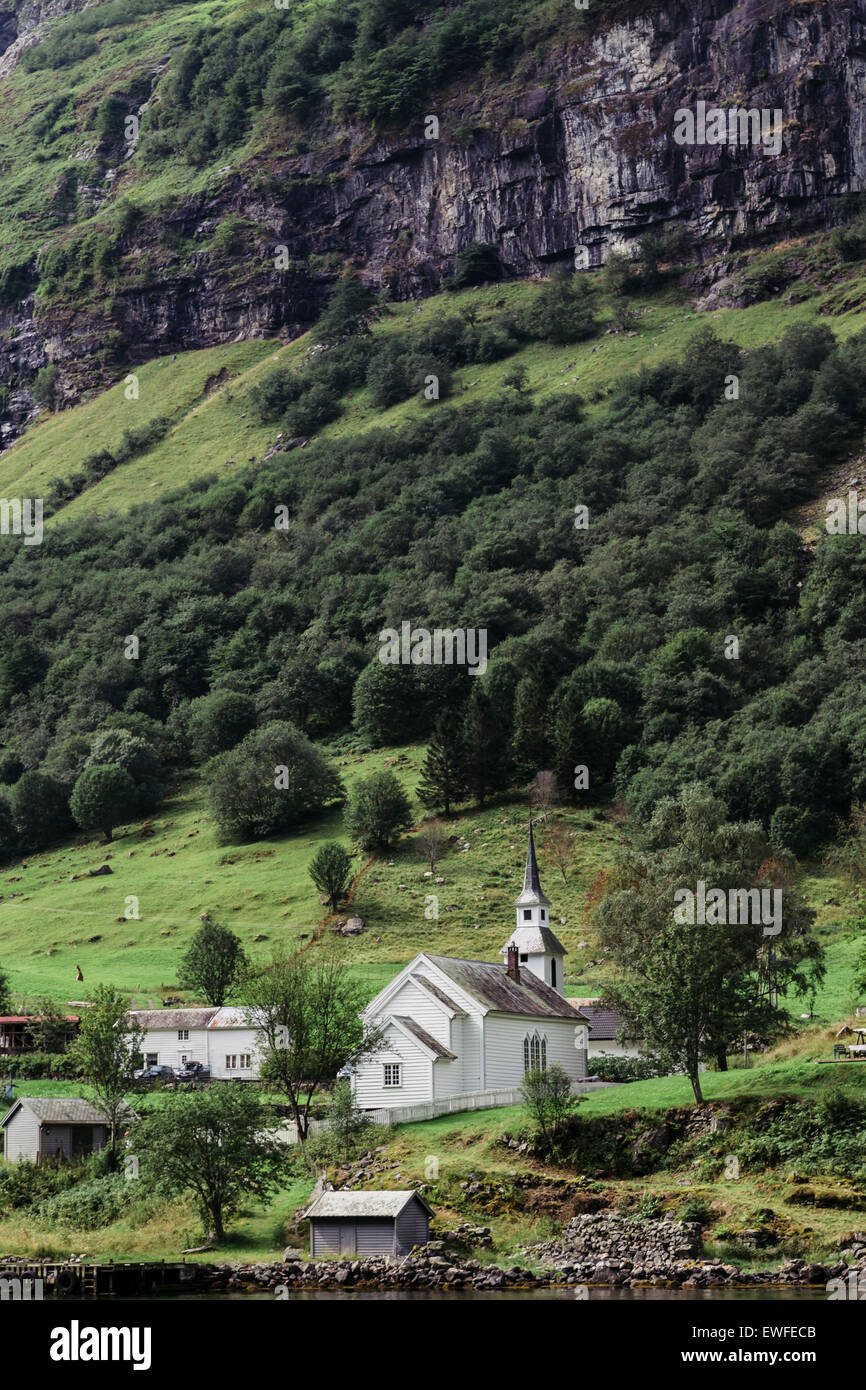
(432, 1109)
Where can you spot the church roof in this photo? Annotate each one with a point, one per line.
(424, 1037)
(491, 986)
(432, 988)
(533, 893)
(535, 941)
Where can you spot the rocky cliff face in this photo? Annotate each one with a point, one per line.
(576, 155)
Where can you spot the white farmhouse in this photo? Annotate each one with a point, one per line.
(453, 1027)
(219, 1038)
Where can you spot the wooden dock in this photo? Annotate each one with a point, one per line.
(85, 1279)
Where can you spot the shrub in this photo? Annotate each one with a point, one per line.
(273, 780)
(476, 264)
(45, 385)
(378, 809)
(88, 1205)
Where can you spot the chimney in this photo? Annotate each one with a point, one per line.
(512, 969)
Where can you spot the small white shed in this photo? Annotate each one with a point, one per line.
(368, 1223)
(41, 1127)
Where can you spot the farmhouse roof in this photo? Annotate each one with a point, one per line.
(69, 1111)
(173, 1018)
(424, 1037)
(491, 986)
(364, 1204)
(227, 1017)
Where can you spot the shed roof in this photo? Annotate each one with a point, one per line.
(37, 1018)
(424, 1037)
(604, 1023)
(364, 1204)
(492, 986)
(71, 1111)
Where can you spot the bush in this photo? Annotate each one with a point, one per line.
(378, 809)
(41, 1066)
(45, 385)
(24, 1184)
(103, 797)
(218, 721)
(476, 264)
(88, 1205)
(349, 306)
(11, 768)
(849, 243)
(625, 1068)
(272, 781)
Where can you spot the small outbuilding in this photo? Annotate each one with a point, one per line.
(368, 1223)
(35, 1128)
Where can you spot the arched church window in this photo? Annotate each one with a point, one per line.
(535, 1052)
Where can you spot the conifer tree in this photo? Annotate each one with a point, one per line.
(443, 776)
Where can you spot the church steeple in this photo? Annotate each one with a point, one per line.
(539, 948)
(533, 893)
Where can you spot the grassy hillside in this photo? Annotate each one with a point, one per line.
(176, 870)
(213, 430)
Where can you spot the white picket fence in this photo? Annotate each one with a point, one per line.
(432, 1109)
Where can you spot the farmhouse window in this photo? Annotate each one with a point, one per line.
(231, 1061)
(183, 1035)
(392, 1073)
(245, 1059)
(151, 1059)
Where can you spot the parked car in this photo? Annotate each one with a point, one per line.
(152, 1074)
(194, 1071)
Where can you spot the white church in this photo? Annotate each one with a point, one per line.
(453, 1027)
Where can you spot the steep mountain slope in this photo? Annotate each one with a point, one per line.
(314, 148)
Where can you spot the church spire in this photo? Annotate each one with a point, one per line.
(533, 893)
(537, 946)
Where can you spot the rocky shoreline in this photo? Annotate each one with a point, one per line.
(600, 1250)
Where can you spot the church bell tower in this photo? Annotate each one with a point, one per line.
(539, 949)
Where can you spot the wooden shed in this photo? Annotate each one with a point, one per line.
(35, 1128)
(368, 1223)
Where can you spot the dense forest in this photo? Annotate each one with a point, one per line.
(258, 598)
